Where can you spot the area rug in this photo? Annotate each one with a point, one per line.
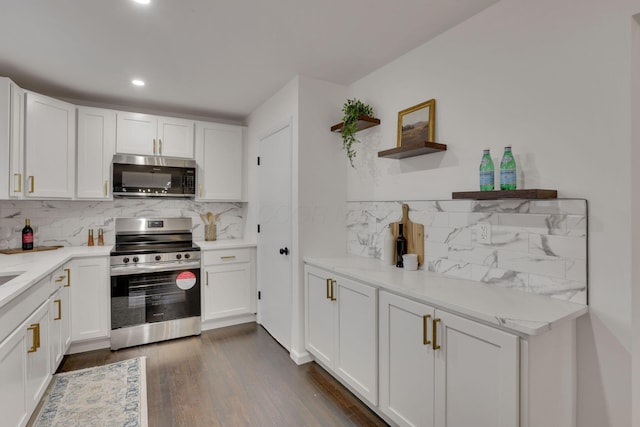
(109, 395)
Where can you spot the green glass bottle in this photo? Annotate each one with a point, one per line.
(486, 172)
(508, 170)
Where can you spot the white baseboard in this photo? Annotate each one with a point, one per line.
(300, 358)
(221, 323)
(89, 345)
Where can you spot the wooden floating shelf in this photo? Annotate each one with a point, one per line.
(506, 194)
(412, 150)
(364, 122)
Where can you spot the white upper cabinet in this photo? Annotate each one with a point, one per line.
(49, 147)
(219, 150)
(11, 139)
(150, 135)
(96, 146)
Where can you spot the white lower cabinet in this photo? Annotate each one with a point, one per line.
(438, 369)
(229, 287)
(90, 298)
(341, 329)
(25, 368)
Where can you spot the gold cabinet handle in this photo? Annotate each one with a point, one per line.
(33, 183)
(333, 290)
(425, 340)
(106, 187)
(328, 288)
(19, 181)
(59, 303)
(160, 146)
(200, 189)
(207, 278)
(228, 257)
(68, 271)
(33, 347)
(60, 279)
(435, 322)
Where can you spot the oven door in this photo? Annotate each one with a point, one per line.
(154, 296)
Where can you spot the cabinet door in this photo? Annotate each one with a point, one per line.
(90, 293)
(17, 143)
(13, 375)
(38, 355)
(357, 336)
(220, 163)
(227, 291)
(55, 332)
(136, 134)
(96, 145)
(319, 317)
(60, 336)
(175, 137)
(476, 374)
(49, 147)
(406, 361)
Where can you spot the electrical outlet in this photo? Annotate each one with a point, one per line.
(483, 229)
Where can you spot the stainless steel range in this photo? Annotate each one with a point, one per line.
(155, 281)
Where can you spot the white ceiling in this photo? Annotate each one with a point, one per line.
(208, 57)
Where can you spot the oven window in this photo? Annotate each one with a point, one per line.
(146, 179)
(152, 297)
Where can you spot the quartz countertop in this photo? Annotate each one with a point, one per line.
(520, 312)
(34, 266)
(225, 244)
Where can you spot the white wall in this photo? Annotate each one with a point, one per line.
(552, 78)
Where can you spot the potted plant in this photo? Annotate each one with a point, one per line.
(352, 110)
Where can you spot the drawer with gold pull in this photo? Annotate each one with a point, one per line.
(226, 256)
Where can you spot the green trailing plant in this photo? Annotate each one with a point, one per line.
(352, 109)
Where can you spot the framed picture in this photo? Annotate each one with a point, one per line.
(417, 124)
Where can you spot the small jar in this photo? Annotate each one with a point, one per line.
(90, 240)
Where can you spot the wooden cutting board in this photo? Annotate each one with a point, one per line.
(413, 232)
(36, 249)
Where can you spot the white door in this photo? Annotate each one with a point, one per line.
(136, 133)
(227, 291)
(13, 374)
(49, 147)
(96, 144)
(274, 238)
(219, 157)
(175, 137)
(357, 336)
(406, 361)
(476, 374)
(17, 142)
(319, 324)
(90, 291)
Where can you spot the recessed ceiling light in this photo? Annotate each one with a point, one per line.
(142, 1)
(137, 82)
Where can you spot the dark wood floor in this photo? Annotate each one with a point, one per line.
(235, 376)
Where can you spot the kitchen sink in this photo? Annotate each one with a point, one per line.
(5, 279)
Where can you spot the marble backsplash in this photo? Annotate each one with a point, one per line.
(67, 223)
(537, 246)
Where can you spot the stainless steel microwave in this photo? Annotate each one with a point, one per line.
(151, 176)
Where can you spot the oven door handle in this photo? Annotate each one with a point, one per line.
(137, 269)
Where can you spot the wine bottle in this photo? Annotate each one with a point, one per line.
(401, 246)
(508, 170)
(27, 236)
(486, 172)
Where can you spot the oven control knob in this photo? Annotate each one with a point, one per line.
(178, 256)
(158, 257)
(136, 259)
(187, 256)
(125, 260)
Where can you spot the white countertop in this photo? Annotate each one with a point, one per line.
(225, 244)
(35, 266)
(520, 312)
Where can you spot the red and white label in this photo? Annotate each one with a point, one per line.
(27, 238)
(186, 280)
